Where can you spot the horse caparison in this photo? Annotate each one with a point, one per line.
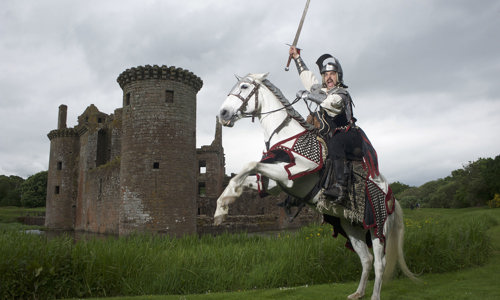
(255, 96)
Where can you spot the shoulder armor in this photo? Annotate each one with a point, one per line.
(316, 88)
(338, 90)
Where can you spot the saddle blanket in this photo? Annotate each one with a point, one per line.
(303, 153)
(371, 202)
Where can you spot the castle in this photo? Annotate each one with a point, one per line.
(139, 170)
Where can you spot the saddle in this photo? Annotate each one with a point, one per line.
(369, 154)
(358, 170)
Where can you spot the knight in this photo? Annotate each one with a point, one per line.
(338, 125)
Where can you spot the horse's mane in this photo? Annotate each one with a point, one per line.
(289, 108)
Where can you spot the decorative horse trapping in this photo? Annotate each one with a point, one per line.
(295, 158)
(303, 152)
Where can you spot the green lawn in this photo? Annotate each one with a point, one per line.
(9, 214)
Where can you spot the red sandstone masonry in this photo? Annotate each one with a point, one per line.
(139, 170)
(158, 173)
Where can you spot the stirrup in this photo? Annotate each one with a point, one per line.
(333, 192)
(337, 193)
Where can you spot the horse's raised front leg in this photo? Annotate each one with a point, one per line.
(231, 192)
(235, 186)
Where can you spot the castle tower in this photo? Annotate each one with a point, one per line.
(211, 173)
(158, 172)
(61, 180)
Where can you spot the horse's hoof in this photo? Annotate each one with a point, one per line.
(219, 219)
(355, 296)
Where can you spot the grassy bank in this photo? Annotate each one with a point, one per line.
(477, 282)
(9, 214)
(437, 241)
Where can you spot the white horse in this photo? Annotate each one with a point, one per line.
(255, 96)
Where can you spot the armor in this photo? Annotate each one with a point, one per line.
(301, 66)
(348, 114)
(332, 65)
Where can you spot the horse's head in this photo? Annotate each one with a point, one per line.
(242, 100)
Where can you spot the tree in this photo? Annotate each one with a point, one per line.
(491, 175)
(34, 190)
(10, 190)
(398, 187)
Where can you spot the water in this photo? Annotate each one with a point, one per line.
(76, 235)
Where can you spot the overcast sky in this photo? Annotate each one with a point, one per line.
(424, 75)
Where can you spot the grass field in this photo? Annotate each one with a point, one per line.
(9, 214)
(308, 264)
(480, 282)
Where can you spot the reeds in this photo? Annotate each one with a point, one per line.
(37, 267)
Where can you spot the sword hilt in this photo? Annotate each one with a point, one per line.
(290, 58)
(288, 63)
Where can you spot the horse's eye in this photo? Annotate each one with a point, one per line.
(244, 86)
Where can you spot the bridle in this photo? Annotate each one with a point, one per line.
(245, 100)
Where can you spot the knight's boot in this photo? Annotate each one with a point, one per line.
(338, 191)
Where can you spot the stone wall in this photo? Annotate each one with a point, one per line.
(158, 174)
(62, 179)
(139, 170)
(251, 213)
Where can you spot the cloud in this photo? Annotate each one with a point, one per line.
(423, 75)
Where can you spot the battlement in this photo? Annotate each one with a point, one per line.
(63, 132)
(139, 170)
(157, 72)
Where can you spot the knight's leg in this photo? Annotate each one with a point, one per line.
(379, 266)
(338, 191)
(336, 153)
(357, 238)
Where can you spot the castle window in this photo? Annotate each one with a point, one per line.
(57, 190)
(201, 189)
(102, 154)
(59, 165)
(127, 99)
(99, 120)
(169, 96)
(156, 165)
(202, 164)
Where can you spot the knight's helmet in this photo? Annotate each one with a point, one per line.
(326, 63)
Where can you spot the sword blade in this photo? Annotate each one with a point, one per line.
(297, 34)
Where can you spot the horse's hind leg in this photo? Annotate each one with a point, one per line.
(379, 265)
(357, 238)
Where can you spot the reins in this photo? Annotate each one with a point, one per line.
(255, 92)
(291, 112)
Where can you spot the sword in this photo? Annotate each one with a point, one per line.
(297, 34)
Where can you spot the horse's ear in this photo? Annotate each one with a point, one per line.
(263, 76)
(238, 77)
(260, 76)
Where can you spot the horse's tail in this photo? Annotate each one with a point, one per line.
(394, 246)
